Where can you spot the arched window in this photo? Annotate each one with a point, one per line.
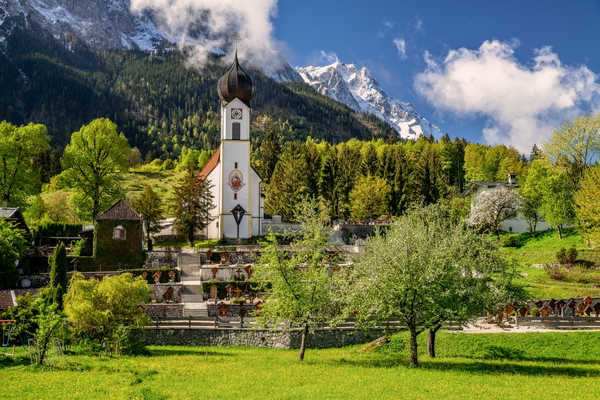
(119, 233)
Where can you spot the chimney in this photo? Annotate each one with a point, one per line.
(512, 179)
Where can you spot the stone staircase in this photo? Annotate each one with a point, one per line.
(192, 295)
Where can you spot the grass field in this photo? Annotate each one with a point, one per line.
(541, 249)
(491, 366)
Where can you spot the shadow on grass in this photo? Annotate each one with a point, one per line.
(505, 353)
(7, 362)
(186, 352)
(475, 367)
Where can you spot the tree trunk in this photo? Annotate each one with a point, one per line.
(559, 232)
(414, 358)
(431, 340)
(303, 343)
(498, 234)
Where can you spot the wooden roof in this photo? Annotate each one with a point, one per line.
(211, 164)
(120, 211)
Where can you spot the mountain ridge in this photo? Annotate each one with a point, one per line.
(359, 90)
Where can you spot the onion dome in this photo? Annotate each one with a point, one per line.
(235, 83)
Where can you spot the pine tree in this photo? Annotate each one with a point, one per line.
(268, 154)
(369, 161)
(289, 183)
(327, 187)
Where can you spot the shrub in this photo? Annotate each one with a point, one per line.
(534, 312)
(571, 255)
(97, 309)
(509, 241)
(561, 256)
(555, 271)
(12, 246)
(238, 300)
(54, 229)
(126, 341)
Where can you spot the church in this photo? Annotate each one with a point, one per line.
(235, 185)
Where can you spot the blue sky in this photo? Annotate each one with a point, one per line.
(462, 95)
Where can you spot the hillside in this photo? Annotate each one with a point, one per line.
(158, 103)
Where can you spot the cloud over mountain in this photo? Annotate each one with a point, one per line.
(208, 25)
(522, 103)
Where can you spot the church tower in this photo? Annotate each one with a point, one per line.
(236, 186)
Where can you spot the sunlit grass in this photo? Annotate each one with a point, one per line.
(492, 366)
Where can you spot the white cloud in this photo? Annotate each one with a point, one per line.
(206, 26)
(522, 103)
(388, 24)
(400, 46)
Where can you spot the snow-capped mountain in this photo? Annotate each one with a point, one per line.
(356, 88)
(102, 24)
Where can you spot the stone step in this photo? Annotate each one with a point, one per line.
(197, 313)
(192, 298)
(191, 289)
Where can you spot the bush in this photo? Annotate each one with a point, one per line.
(509, 241)
(126, 341)
(564, 256)
(534, 312)
(238, 300)
(555, 272)
(572, 255)
(97, 309)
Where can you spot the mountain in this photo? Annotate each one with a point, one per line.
(357, 88)
(101, 24)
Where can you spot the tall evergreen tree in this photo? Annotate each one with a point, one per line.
(59, 265)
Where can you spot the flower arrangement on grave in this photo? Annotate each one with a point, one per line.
(171, 276)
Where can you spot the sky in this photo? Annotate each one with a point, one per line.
(495, 72)
(502, 72)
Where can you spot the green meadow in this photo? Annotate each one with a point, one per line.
(469, 366)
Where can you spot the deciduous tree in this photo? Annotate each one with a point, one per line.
(587, 205)
(425, 270)
(18, 145)
(149, 206)
(93, 162)
(370, 197)
(12, 246)
(492, 207)
(298, 283)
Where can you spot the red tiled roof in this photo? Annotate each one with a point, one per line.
(211, 164)
(6, 299)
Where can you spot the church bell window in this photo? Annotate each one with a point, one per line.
(235, 131)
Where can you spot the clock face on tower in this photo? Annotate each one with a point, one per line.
(236, 113)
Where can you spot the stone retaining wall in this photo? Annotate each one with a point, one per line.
(164, 311)
(290, 339)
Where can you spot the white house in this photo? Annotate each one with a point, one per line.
(516, 224)
(235, 184)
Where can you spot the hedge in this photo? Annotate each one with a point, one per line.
(56, 230)
(164, 274)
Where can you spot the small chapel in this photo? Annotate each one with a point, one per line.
(235, 184)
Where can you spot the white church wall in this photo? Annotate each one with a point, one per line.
(214, 179)
(255, 202)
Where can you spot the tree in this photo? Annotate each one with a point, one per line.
(18, 146)
(369, 162)
(425, 270)
(370, 198)
(49, 321)
(135, 157)
(298, 282)
(12, 246)
(59, 265)
(149, 206)
(532, 192)
(268, 153)
(578, 142)
(587, 205)
(93, 162)
(192, 202)
(557, 204)
(492, 207)
(97, 308)
(289, 182)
